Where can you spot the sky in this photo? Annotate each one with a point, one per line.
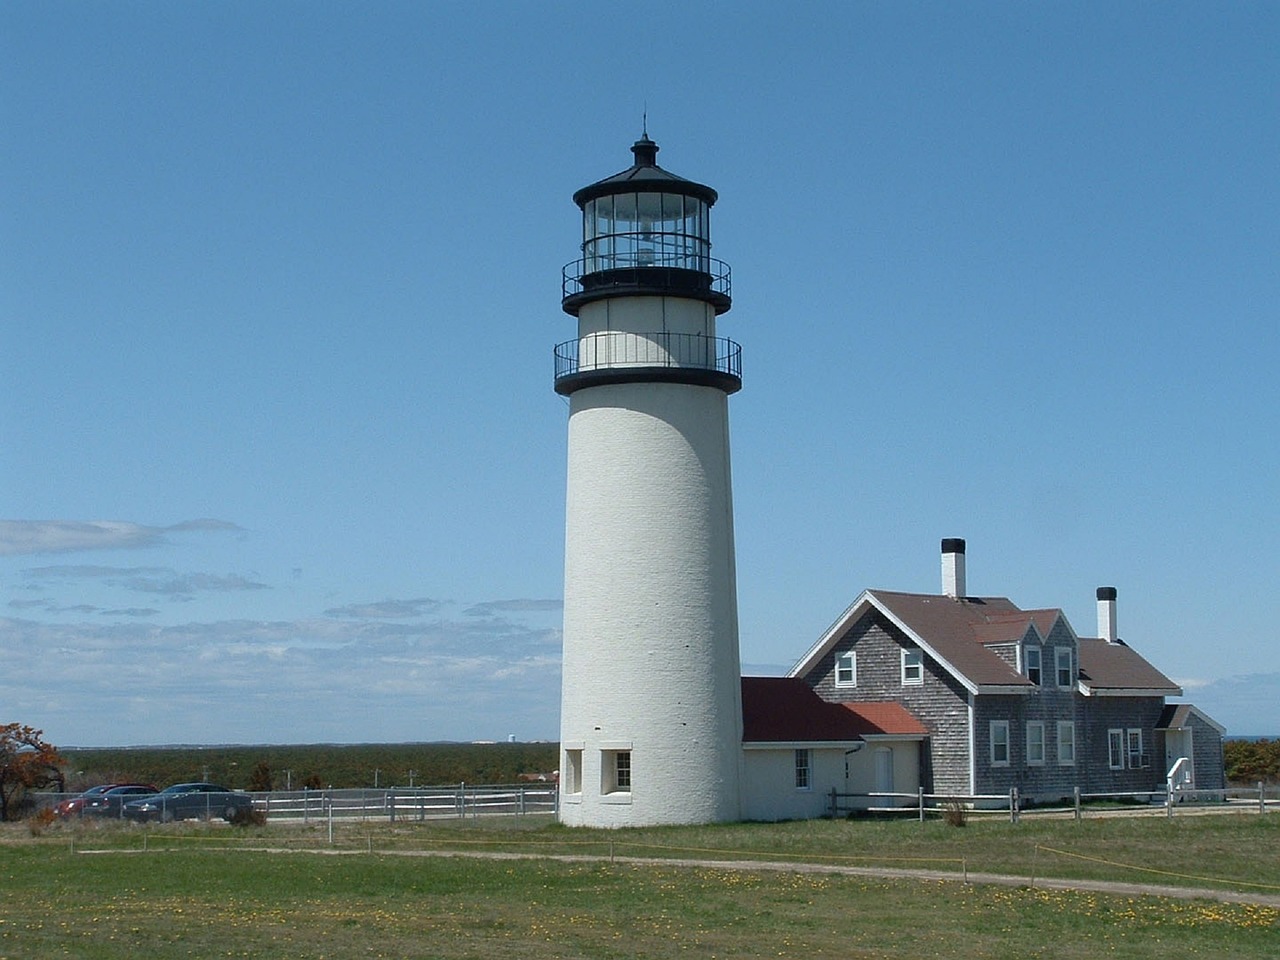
(280, 457)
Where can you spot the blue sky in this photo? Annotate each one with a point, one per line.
(281, 458)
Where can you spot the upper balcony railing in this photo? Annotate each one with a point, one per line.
(643, 272)
(659, 357)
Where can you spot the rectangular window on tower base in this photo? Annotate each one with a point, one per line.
(615, 772)
(571, 779)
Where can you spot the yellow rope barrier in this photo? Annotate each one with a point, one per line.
(1165, 873)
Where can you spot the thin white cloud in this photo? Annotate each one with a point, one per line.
(388, 609)
(492, 608)
(284, 681)
(189, 584)
(158, 580)
(34, 537)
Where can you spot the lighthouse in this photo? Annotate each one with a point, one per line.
(651, 711)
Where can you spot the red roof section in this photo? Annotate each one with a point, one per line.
(787, 710)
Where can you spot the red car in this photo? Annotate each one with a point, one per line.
(90, 800)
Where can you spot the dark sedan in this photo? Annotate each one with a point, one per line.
(111, 802)
(189, 801)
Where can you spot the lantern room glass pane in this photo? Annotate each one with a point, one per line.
(646, 229)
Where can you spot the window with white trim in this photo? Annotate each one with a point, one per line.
(802, 769)
(1032, 657)
(1035, 743)
(1066, 676)
(615, 771)
(1115, 749)
(1066, 743)
(912, 667)
(847, 669)
(999, 743)
(572, 771)
(1137, 758)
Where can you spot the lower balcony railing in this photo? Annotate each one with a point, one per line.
(618, 356)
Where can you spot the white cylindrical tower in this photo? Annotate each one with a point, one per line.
(651, 705)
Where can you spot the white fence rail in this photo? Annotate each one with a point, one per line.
(404, 804)
(410, 803)
(1260, 799)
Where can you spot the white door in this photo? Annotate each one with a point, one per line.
(1177, 744)
(884, 770)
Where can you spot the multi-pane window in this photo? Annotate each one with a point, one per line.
(999, 743)
(1035, 743)
(1032, 655)
(912, 667)
(1115, 749)
(1066, 743)
(1136, 757)
(1066, 676)
(615, 771)
(847, 669)
(802, 769)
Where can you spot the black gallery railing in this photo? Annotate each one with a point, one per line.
(612, 350)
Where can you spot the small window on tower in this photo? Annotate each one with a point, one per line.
(572, 771)
(615, 771)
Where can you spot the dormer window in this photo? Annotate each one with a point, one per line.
(1066, 675)
(847, 669)
(1031, 658)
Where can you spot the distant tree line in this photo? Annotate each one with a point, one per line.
(315, 766)
(1250, 761)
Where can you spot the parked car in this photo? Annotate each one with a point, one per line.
(73, 807)
(110, 803)
(186, 801)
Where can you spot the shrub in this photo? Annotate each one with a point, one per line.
(954, 813)
(249, 817)
(40, 821)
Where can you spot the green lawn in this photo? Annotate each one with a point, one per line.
(205, 892)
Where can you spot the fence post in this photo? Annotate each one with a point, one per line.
(1013, 804)
(1077, 792)
(920, 801)
(834, 811)
(1262, 798)
(1168, 800)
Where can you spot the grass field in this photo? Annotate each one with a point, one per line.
(287, 891)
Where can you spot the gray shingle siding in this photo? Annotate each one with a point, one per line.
(940, 702)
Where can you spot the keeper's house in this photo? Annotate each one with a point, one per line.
(967, 696)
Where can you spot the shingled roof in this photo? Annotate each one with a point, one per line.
(959, 634)
(787, 710)
(1116, 668)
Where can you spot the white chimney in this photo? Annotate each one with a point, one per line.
(953, 567)
(1107, 614)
